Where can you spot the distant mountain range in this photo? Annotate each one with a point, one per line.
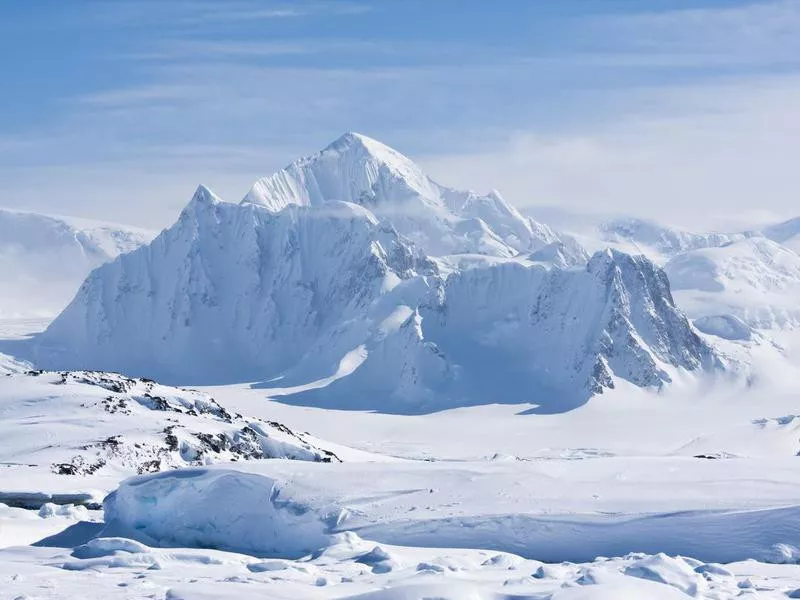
(43, 259)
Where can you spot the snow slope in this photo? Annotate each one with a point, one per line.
(439, 528)
(84, 425)
(439, 220)
(386, 530)
(43, 259)
(756, 280)
(513, 333)
(334, 307)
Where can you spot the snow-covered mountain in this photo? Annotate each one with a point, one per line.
(756, 280)
(728, 283)
(565, 253)
(44, 259)
(438, 219)
(517, 333)
(657, 240)
(325, 303)
(232, 292)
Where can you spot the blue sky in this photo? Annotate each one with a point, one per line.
(117, 110)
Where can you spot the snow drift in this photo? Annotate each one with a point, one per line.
(269, 511)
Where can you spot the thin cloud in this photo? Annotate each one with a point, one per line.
(663, 165)
(199, 12)
(543, 127)
(236, 49)
(763, 33)
(146, 94)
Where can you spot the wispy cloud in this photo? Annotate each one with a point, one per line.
(236, 50)
(757, 33)
(204, 12)
(141, 95)
(724, 148)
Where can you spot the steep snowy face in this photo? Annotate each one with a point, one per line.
(755, 279)
(654, 239)
(439, 220)
(512, 332)
(43, 259)
(230, 291)
(558, 336)
(353, 168)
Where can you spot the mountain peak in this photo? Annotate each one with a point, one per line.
(437, 219)
(204, 195)
(353, 168)
(202, 200)
(350, 139)
(359, 147)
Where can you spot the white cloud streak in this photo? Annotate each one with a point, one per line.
(756, 33)
(720, 168)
